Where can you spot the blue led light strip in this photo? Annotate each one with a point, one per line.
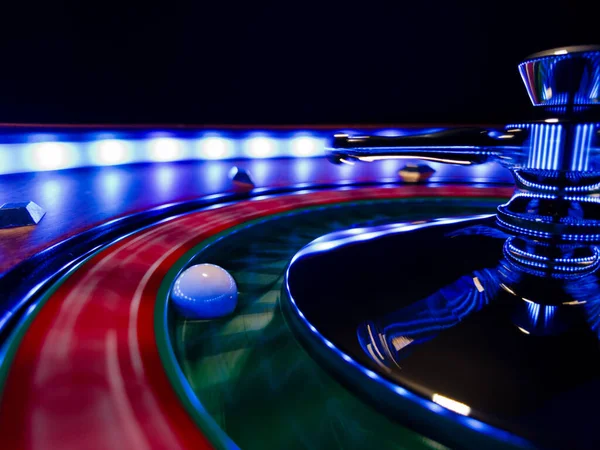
(571, 198)
(532, 185)
(580, 260)
(39, 152)
(572, 269)
(545, 187)
(543, 234)
(539, 219)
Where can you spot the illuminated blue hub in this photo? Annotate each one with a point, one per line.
(558, 175)
(553, 147)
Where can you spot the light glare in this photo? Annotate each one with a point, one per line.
(261, 147)
(111, 151)
(452, 405)
(50, 156)
(214, 148)
(165, 149)
(306, 146)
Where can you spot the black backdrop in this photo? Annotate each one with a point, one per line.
(276, 62)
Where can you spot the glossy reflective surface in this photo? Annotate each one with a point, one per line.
(75, 200)
(568, 77)
(463, 315)
(37, 149)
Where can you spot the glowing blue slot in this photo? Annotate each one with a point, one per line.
(551, 147)
(541, 146)
(574, 162)
(581, 146)
(558, 148)
(545, 147)
(588, 146)
(51, 156)
(537, 145)
(532, 147)
(530, 158)
(534, 140)
(582, 149)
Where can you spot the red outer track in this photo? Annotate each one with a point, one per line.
(87, 373)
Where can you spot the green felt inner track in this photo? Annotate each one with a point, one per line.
(248, 371)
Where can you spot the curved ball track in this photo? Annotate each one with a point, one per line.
(85, 367)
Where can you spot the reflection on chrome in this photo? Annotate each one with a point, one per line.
(568, 273)
(390, 338)
(544, 77)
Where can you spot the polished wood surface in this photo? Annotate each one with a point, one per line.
(78, 199)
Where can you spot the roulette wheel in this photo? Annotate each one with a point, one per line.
(276, 302)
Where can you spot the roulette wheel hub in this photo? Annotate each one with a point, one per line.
(486, 327)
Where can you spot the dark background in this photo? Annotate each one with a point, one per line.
(276, 62)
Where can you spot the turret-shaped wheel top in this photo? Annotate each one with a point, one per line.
(566, 78)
